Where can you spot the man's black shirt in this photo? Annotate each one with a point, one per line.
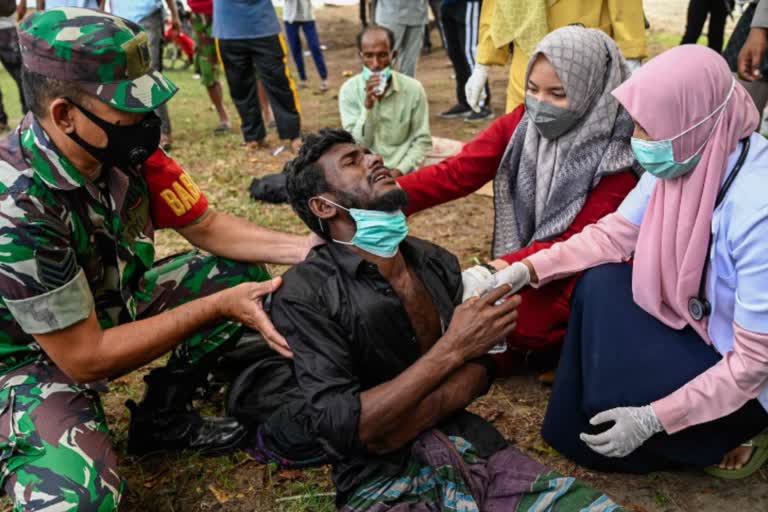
(349, 332)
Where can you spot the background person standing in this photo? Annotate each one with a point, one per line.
(149, 14)
(698, 10)
(406, 19)
(461, 22)
(508, 24)
(297, 15)
(42, 5)
(207, 60)
(250, 42)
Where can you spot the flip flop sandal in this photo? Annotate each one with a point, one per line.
(222, 128)
(759, 457)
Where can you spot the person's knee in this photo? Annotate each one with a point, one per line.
(602, 281)
(36, 487)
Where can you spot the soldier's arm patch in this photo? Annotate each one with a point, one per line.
(175, 199)
(54, 310)
(55, 268)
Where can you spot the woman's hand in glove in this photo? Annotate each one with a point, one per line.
(632, 427)
(478, 280)
(517, 276)
(475, 281)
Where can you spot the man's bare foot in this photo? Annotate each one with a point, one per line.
(296, 145)
(736, 458)
(547, 378)
(256, 144)
(223, 127)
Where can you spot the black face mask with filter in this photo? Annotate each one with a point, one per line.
(127, 145)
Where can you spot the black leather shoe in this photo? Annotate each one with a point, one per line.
(165, 420)
(163, 431)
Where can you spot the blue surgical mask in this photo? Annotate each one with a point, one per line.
(657, 156)
(378, 232)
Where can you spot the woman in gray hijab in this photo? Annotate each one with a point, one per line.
(558, 163)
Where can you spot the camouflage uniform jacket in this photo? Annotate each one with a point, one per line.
(68, 244)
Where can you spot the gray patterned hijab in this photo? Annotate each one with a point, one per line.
(541, 185)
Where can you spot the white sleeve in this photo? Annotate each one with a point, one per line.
(634, 205)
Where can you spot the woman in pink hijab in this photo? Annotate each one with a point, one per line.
(665, 362)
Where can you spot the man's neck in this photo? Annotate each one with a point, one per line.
(88, 166)
(390, 268)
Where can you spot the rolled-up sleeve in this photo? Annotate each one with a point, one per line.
(325, 370)
(634, 205)
(41, 282)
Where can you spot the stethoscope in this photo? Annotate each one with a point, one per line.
(698, 306)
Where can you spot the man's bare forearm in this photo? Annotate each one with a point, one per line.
(476, 325)
(172, 9)
(239, 239)
(133, 345)
(87, 353)
(459, 390)
(383, 407)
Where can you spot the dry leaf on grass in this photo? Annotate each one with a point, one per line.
(221, 496)
(290, 474)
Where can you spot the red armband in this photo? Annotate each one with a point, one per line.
(175, 199)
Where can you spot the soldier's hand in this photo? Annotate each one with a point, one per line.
(310, 242)
(244, 303)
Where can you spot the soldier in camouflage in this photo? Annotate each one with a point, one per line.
(83, 186)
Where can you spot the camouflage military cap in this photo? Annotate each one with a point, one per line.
(106, 55)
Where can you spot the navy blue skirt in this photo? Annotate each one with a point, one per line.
(615, 354)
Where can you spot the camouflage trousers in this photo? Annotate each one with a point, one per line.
(206, 58)
(55, 449)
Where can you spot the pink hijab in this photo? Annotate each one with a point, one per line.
(667, 96)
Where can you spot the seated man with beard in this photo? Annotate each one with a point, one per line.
(387, 357)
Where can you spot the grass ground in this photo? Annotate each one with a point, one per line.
(187, 482)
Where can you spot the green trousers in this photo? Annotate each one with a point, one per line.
(55, 449)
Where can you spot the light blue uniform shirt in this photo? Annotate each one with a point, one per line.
(89, 4)
(134, 10)
(244, 19)
(737, 279)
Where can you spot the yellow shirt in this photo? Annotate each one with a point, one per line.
(621, 19)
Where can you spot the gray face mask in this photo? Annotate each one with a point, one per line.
(551, 121)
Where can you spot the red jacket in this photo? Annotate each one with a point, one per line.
(543, 314)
